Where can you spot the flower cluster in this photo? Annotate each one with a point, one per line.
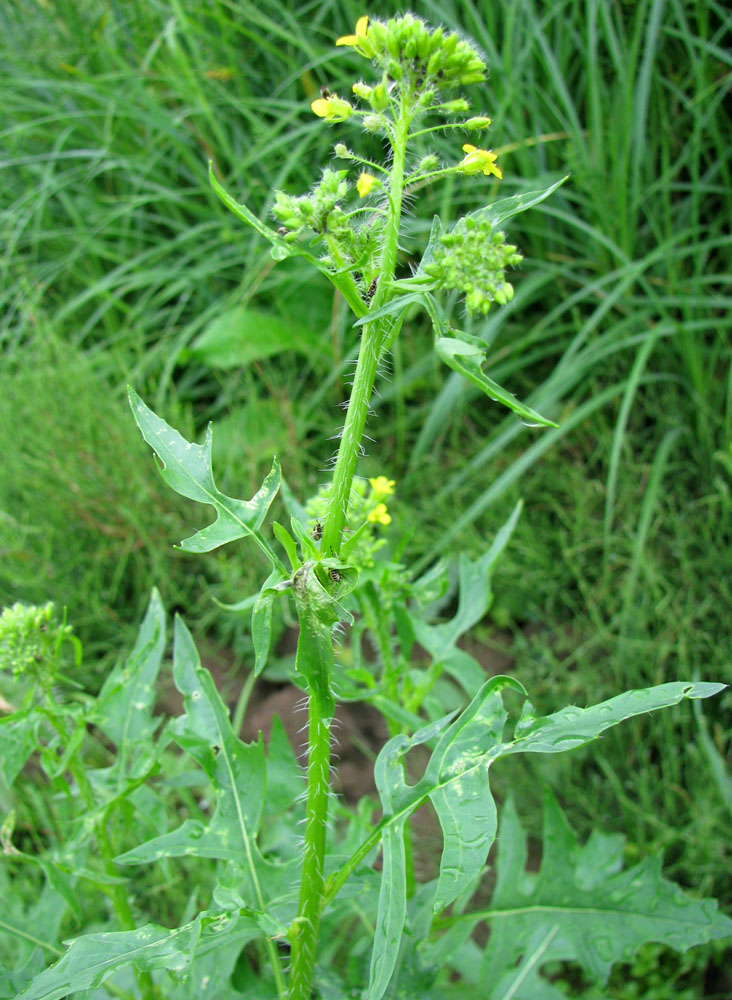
(415, 56)
(319, 210)
(473, 258)
(30, 640)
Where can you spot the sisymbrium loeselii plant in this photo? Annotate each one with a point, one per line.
(288, 892)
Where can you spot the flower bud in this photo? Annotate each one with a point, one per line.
(362, 90)
(479, 122)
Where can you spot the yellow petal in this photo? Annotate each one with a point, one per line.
(320, 107)
(362, 28)
(365, 184)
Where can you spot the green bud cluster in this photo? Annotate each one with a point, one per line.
(414, 55)
(29, 641)
(319, 210)
(473, 258)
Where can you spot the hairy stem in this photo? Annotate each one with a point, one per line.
(304, 932)
(368, 359)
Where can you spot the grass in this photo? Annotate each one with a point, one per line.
(118, 257)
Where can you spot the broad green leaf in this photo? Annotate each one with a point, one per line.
(457, 774)
(236, 771)
(467, 359)
(123, 710)
(186, 467)
(465, 805)
(242, 335)
(18, 739)
(594, 917)
(92, 959)
(476, 592)
(285, 777)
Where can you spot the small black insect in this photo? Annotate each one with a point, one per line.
(371, 290)
(282, 230)
(335, 575)
(317, 532)
(325, 93)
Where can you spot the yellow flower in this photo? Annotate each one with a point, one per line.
(360, 41)
(383, 486)
(365, 185)
(478, 161)
(332, 108)
(379, 513)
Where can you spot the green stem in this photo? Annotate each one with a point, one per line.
(374, 335)
(120, 902)
(305, 928)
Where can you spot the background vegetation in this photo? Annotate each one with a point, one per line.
(120, 266)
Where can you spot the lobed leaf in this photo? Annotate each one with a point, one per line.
(235, 769)
(186, 467)
(591, 913)
(456, 780)
(91, 960)
(123, 710)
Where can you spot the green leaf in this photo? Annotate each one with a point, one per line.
(505, 208)
(242, 335)
(287, 542)
(583, 910)
(572, 726)
(396, 798)
(317, 613)
(262, 620)
(236, 771)
(18, 739)
(281, 250)
(243, 213)
(456, 780)
(92, 959)
(186, 467)
(476, 593)
(123, 710)
(476, 596)
(467, 358)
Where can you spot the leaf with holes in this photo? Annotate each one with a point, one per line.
(456, 781)
(581, 905)
(123, 710)
(235, 769)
